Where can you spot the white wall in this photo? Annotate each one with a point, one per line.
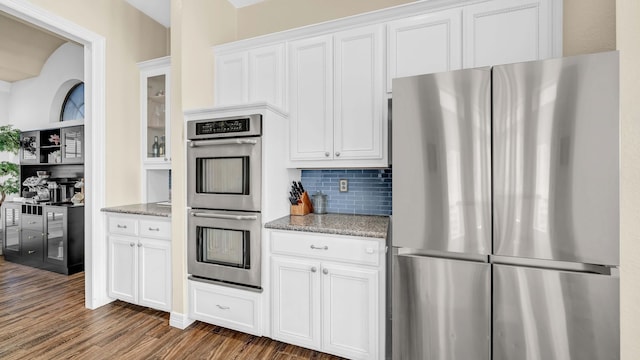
(30, 100)
(5, 91)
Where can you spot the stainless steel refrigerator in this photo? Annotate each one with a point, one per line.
(505, 229)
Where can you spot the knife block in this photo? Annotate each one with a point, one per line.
(304, 206)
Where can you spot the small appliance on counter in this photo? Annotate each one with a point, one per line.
(320, 203)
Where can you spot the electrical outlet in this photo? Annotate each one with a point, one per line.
(344, 185)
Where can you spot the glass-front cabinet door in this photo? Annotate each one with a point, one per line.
(55, 241)
(72, 144)
(30, 147)
(11, 228)
(154, 101)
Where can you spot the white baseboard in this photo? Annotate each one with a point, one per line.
(180, 321)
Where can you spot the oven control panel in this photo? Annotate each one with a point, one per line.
(238, 126)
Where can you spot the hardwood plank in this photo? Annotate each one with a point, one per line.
(42, 316)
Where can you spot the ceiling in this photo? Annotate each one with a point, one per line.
(23, 54)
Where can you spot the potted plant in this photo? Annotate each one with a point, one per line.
(9, 171)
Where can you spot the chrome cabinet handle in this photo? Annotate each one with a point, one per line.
(31, 237)
(319, 247)
(325, 271)
(224, 216)
(197, 143)
(154, 229)
(31, 252)
(326, 154)
(32, 222)
(337, 153)
(122, 226)
(132, 244)
(223, 307)
(314, 269)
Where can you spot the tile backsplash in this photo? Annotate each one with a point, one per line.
(369, 191)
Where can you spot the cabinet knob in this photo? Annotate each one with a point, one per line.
(326, 154)
(132, 244)
(314, 269)
(337, 153)
(139, 245)
(325, 271)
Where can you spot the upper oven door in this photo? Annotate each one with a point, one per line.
(225, 174)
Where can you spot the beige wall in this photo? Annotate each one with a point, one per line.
(589, 26)
(197, 25)
(130, 37)
(628, 33)
(277, 15)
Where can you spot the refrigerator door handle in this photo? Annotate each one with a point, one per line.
(555, 265)
(401, 251)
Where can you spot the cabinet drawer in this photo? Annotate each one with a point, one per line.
(155, 229)
(331, 247)
(123, 226)
(32, 245)
(224, 306)
(32, 222)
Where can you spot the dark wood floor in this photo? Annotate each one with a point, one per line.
(42, 316)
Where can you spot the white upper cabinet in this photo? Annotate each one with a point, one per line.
(311, 103)
(424, 44)
(507, 31)
(267, 75)
(358, 93)
(251, 76)
(232, 78)
(336, 99)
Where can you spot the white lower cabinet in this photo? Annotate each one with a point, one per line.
(232, 308)
(326, 305)
(139, 267)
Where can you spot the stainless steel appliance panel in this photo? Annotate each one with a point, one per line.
(556, 159)
(441, 308)
(201, 155)
(541, 314)
(441, 161)
(219, 267)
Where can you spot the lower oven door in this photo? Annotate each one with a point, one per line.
(225, 246)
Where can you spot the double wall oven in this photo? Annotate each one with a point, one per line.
(224, 193)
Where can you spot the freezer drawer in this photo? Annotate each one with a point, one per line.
(542, 314)
(441, 309)
(556, 159)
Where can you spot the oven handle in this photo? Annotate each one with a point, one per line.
(224, 216)
(195, 143)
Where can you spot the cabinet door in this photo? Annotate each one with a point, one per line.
(350, 311)
(123, 269)
(424, 44)
(231, 79)
(155, 95)
(267, 75)
(296, 301)
(11, 228)
(55, 243)
(154, 273)
(358, 93)
(30, 147)
(507, 31)
(311, 98)
(72, 145)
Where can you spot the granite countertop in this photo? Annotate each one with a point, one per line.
(152, 209)
(339, 224)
